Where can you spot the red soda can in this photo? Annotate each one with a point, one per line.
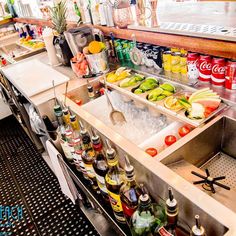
(192, 65)
(230, 75)
(218, 71)
(204, 67)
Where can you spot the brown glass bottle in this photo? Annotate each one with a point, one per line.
(88, 156)
(114, 180)
(129, 192)
(100, 165)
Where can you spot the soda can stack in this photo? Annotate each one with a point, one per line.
(192, 65)
(230, 75)
(205, 67)
(218, 71)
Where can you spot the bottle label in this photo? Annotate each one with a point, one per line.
(101, 183)
(79, 162)
(128, 211)
(67, 150)
(89, 170)
(163, 232)
(110, 181)
(115, 201)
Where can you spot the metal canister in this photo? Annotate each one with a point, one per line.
(175, 62)
(166, 57)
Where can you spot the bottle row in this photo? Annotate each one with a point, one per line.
(99, 165)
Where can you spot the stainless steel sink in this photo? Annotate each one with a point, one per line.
(213, 149)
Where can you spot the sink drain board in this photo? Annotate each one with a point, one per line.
(222, 165)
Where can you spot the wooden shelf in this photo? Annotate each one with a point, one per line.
(6, 21)
(213, 47)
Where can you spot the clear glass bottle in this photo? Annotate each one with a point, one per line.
(88, 156)
(129, 192)
(100, 165)
(114, 180)
(145, 219)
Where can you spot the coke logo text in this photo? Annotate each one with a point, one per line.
(205, 66)
(217, 69)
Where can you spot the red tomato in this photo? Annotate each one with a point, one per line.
(79, 102)
(183, 130)
(170, 139)
(151, 151)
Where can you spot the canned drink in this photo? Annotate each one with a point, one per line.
(230, 75)
(175, 62)
(218, 71)
(183, 51)
(183, 64)
(175, 50)
(119, 50)
(166, 57)
(125, 51)
(204, 67)
(192, 66)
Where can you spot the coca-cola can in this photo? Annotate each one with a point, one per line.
(192, 64)
(218, 71)
(230, 75)
(204, 67)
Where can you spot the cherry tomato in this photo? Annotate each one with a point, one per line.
(184, 130)
(102, 91)
(170, 139)
(79, 102)
(151, 151)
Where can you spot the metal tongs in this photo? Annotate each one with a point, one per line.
(116, 117)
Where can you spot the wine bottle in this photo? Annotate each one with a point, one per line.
(114, 180)
(129, 192)
(90, 91)
(100, 165)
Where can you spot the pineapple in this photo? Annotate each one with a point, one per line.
(58, 16)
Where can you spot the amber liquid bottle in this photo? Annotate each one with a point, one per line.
(114, 180)
(88, 156)
(100, 165)
(129, 192)
(172, 227)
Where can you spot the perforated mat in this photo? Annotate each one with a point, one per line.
(27, 182)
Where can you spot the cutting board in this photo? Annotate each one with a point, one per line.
(33, 77)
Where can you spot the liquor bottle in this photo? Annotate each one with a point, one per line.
(129, 192)
(50, 127)
(171, 210)
(145, 219)
(114, 180)
(62, 131)
(90, 91)
(88, 156)
(100, 165)
(66, 115)
(198, 229)
(171, 226)
(77, 11)
(101, 11)
(74, 121)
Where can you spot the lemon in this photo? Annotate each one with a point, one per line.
(94, 47)
(172, 103)
(124, 74)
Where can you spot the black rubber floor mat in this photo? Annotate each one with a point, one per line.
(26, 181)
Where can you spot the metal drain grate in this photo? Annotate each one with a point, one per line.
(220, 165)
(201, 30)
